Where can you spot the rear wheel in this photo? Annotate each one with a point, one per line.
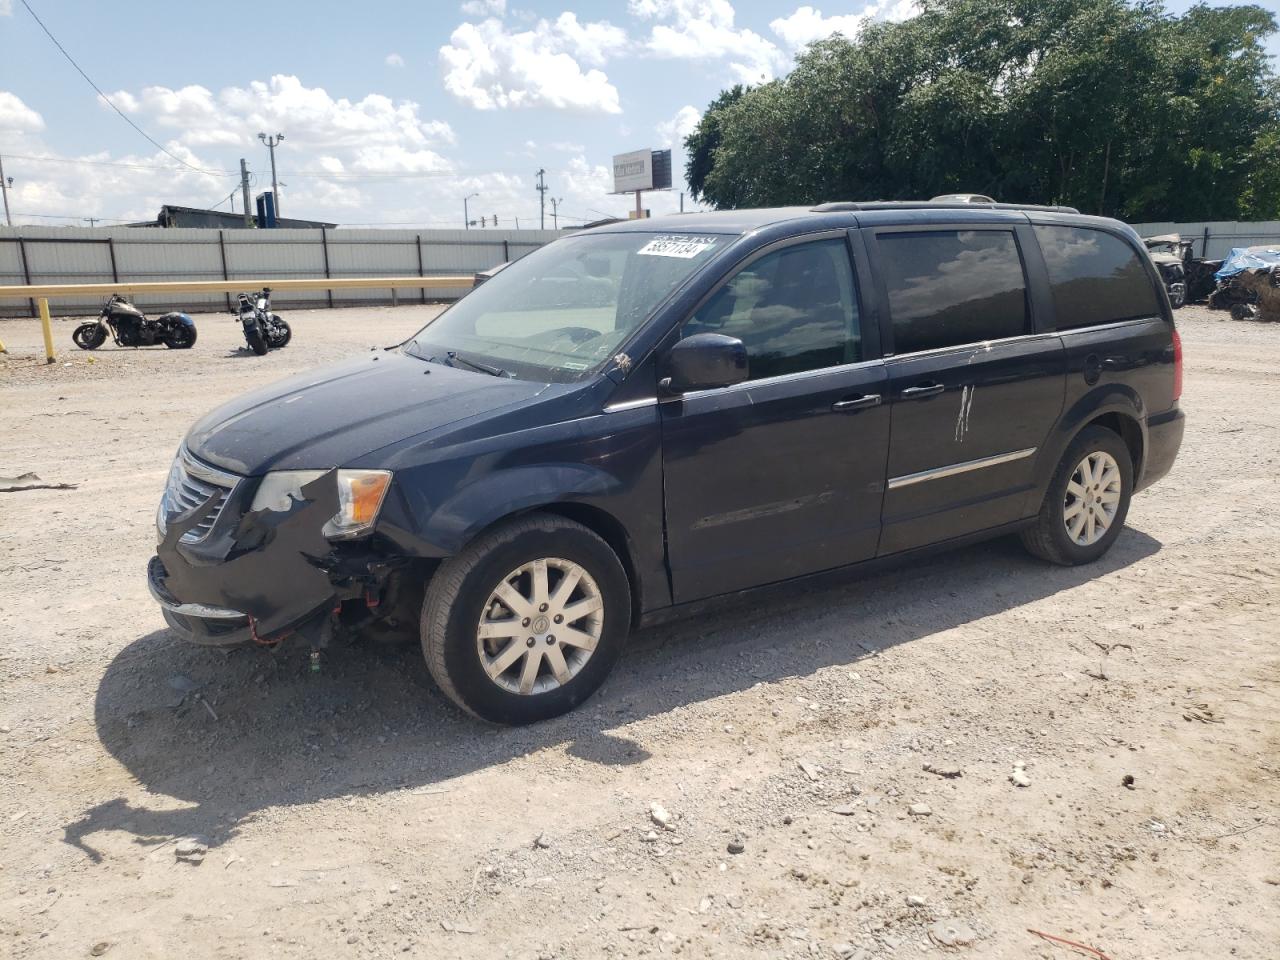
(180, 337)
(527, 621)
(1087, 501)
(89, 336)
(257, 342)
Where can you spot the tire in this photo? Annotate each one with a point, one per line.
(1050, 538)
(257, 343)
(281, 340)
(180, 338)
(89, 336)
(463, 592)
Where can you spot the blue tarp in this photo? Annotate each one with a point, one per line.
(1248, 258)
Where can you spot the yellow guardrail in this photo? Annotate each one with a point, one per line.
(42, 292)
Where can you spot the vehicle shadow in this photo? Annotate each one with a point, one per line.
(232, 732)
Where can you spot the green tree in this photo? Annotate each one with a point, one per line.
(1111, 106)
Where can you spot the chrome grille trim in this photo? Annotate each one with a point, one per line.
(196, 483)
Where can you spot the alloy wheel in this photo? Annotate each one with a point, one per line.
(1092, 499)
(540, 626)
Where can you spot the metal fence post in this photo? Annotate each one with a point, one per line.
(26, 272)
(222, 250)
(423, 291)
(1204, 250)
(324, 244)
(111, 249)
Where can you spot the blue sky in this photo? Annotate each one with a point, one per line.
(392, 111)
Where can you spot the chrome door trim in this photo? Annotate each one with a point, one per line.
(937, 473)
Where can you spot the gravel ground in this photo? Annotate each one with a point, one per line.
(926, 762)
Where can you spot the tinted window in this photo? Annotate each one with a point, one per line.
(795, 310)
(951, 287)
(1095, 277)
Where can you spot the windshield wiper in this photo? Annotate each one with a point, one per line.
(476, 365)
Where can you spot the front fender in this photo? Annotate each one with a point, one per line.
(461, 517)
(604, 470)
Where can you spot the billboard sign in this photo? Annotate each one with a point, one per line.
(633, 171)
(662, 170)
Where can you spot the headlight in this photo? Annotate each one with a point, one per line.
(360, 496)
(278, 490)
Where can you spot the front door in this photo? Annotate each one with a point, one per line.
(974, 388)
(781, 475)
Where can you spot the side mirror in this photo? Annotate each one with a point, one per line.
(704, 361)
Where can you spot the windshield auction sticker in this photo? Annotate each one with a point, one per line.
(682, 246)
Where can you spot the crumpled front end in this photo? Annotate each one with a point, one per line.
(224, 572)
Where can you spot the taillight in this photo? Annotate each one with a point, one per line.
(1177, 365)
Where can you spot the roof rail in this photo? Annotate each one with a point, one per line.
(839, 206)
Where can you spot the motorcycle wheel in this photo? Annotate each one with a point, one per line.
(283, 334)
(89, 336)
(180, 337)
(257, 342)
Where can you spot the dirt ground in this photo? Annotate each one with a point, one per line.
(857, 744)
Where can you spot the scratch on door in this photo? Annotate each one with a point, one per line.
(962, 418)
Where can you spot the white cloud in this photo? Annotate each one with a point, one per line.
(16, 116)
(705, 30)
(671, 133)
(394, 60)
(307, 116)
(485, 8)
(807, 24)
(489, 68)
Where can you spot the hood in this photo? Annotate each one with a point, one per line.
(329, 417)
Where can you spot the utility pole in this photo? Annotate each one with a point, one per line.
(92, 221)
(542, 200)
(271, 145)
(244, 191)
(555, 214)
(466, 217)
(4, 188)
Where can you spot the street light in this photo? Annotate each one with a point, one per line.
(466, 217)
(271, 145)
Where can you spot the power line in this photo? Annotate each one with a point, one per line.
(107, 100)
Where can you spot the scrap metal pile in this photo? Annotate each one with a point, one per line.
(1249, 284)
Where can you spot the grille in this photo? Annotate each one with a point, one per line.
(190, 484)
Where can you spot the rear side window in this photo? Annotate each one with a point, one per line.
(1095, 277)
(795, 309)
(951, 287)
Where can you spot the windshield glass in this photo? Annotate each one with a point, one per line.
(563, 310)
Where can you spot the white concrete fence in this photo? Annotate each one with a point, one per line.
(1215, 238)
(83, 255)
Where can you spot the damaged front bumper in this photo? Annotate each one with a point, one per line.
(197, 622)
(224, 573)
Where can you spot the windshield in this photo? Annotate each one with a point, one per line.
(563, 310)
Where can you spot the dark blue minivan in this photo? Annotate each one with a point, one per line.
(640, 417)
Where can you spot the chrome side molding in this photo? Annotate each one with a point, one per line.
(937, 473)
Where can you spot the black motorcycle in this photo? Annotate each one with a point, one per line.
(263, 330)
(129, 327)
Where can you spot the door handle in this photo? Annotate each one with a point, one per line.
(922, 391)
(857, 403)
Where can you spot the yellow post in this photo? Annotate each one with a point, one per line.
(43, 303)
(2, 349)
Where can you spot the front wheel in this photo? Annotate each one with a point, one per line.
(527, 621)
(280, 333)
(89, 336)
(1087, 501)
